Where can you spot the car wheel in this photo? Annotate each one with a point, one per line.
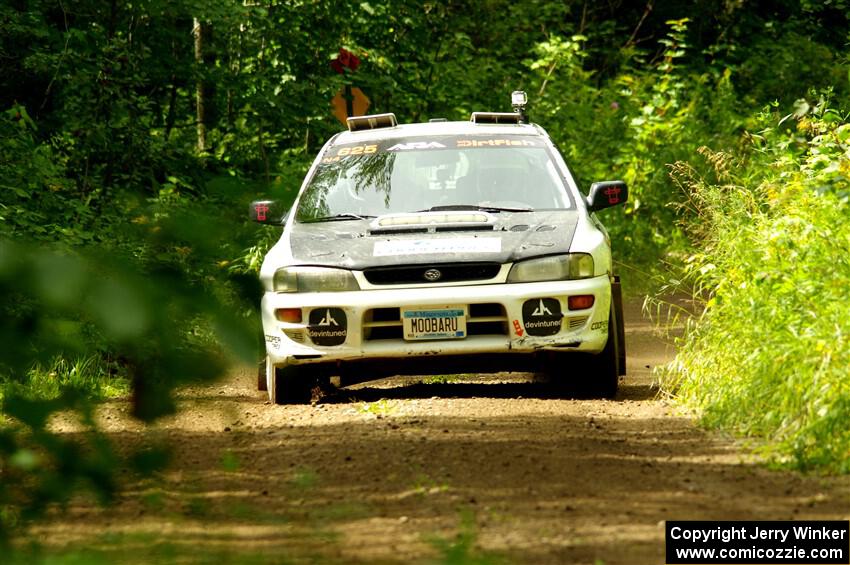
(602, 373)
(617, 299)
(583, 374)
(290, 385)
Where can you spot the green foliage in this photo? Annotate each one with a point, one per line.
(94, 375)
(461, 549)
(39, 465)
(768, 357)
(60, 305)
(632, 127)
(230, 461)
(786, 66)
(34, 184)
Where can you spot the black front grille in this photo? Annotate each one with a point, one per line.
(488, 319)
(397, 231)
(442, 229)
(448, 272)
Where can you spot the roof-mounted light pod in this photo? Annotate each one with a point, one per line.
(518, 101)
(375, 121)
(495, 118)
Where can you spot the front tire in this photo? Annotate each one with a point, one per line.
(594, 376)
(289, 384)
(617, 301)
(602, 377)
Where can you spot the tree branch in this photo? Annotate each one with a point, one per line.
(61, 58)
(649, 5)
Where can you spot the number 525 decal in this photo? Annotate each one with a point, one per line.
(349, 151)
(357, 150)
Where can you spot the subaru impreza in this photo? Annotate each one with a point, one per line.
(441, 247)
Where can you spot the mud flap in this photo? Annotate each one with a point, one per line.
(617, 299)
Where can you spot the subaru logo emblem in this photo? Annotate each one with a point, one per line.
(432, 275)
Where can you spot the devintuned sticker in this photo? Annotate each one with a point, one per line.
(542, 316)
(328, 326)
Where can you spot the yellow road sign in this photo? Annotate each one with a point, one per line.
(359, 103)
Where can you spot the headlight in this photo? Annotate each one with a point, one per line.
(313, 279)
(557, 268)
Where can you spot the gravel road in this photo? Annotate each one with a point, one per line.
(409, 470)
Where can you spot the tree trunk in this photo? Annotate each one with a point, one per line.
(260, 133)
(203, 90)
(172, 108)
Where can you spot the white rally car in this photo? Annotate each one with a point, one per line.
(440, 247)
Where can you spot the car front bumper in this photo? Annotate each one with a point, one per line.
(496, 324)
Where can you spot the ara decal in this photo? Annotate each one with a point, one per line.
(416, 145)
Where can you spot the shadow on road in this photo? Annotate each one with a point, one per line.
(541, 390)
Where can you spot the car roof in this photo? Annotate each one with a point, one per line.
(437, 129)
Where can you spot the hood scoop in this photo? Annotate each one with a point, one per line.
(431, 222)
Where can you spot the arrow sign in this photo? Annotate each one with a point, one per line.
(349, 101)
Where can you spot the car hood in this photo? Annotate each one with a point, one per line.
(353, 245)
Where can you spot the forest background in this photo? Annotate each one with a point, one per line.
(133, 135)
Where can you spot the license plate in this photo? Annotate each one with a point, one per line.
(434, 323)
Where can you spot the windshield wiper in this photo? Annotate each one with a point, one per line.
(474, 207)
(338, 217)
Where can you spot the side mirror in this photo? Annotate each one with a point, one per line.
(267, 212)
(606, 194)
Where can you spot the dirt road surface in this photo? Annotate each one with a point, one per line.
(478, 470)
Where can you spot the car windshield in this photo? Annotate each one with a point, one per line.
(495, 173)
